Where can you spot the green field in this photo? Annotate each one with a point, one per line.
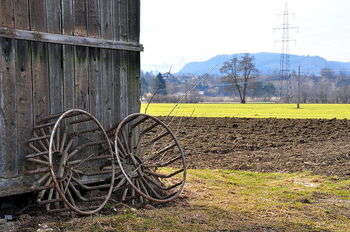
(307, 111)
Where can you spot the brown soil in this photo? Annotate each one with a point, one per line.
(262, 145)
(267, 145)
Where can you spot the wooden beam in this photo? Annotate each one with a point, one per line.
(68, 40)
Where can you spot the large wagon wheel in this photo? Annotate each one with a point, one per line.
(150, 158)
(74, 162)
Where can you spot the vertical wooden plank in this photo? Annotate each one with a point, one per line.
(81, 91)
(134, 79)
(133, 17)
(68, 55)
(81, 78)
(53, 16)
(107, 62)
(116, 88)
(40, 80)
(68, 77)
(134, 20)
(95, 85)
(94, 30)
(104, 100)
(123, 77)
(93, 20)
(8, 124)
(21, 14)
(38, 15)
(111, 92)
(6, 13)
(67, 17)
(55, 57)
(24, 100)
(123, 20)
(80, 20)
(116, 20)
(106, 19)
(24, 90)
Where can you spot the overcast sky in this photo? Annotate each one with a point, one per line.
(175, 32)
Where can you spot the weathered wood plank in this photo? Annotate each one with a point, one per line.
(69, 40)
(21, 12)
(110, 93)
(38, 15)
(68, 56)
(55, 78)
(55, 58)
(67, 17)
(41, 94)
(80, 13)
(39, 61)
(116, 20)
(104, 100)
(68, 77)
(134, 80)
(123, 20)
(115, 88)
(123, 78)
(81, 78)
(6, 13)
(94, 18)
(134, 20)
(95, 87)
(24, 99)
(106, 19)
(106, 33)
(53, 17)
(8, 123)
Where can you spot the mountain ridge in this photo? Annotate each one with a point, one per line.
(267, 63)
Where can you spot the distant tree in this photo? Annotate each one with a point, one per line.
(145, 83)
(328, 73)
(261, 89)
(238, 73)
(160, 85)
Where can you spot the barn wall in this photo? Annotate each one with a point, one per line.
(37, 78)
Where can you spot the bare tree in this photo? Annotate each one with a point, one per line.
(238, 73)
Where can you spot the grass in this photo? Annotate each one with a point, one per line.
(307, 111)
(225, 200)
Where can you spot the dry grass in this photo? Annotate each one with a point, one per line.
(224, 200)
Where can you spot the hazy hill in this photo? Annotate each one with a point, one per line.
(267, 63)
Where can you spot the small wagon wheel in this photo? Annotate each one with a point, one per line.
(79, 162)
(150, 158)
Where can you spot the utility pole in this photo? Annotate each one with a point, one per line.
(299, 88)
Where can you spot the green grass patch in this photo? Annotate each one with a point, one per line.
(307, 111)
(226, 200)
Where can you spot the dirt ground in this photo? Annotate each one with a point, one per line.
(267, 145)
(262, 145)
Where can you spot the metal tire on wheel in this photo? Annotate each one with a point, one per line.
(78, 165)
(150, 159)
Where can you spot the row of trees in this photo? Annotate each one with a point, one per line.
(241, 80)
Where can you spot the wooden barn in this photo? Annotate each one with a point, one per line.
(57, 55)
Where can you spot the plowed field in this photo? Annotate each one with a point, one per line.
(266, 145)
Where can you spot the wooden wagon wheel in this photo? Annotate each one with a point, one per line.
(74, 162)
(150, 160)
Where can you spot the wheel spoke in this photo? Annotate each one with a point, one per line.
(162, 151)
(64, 137)
(164, 164)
